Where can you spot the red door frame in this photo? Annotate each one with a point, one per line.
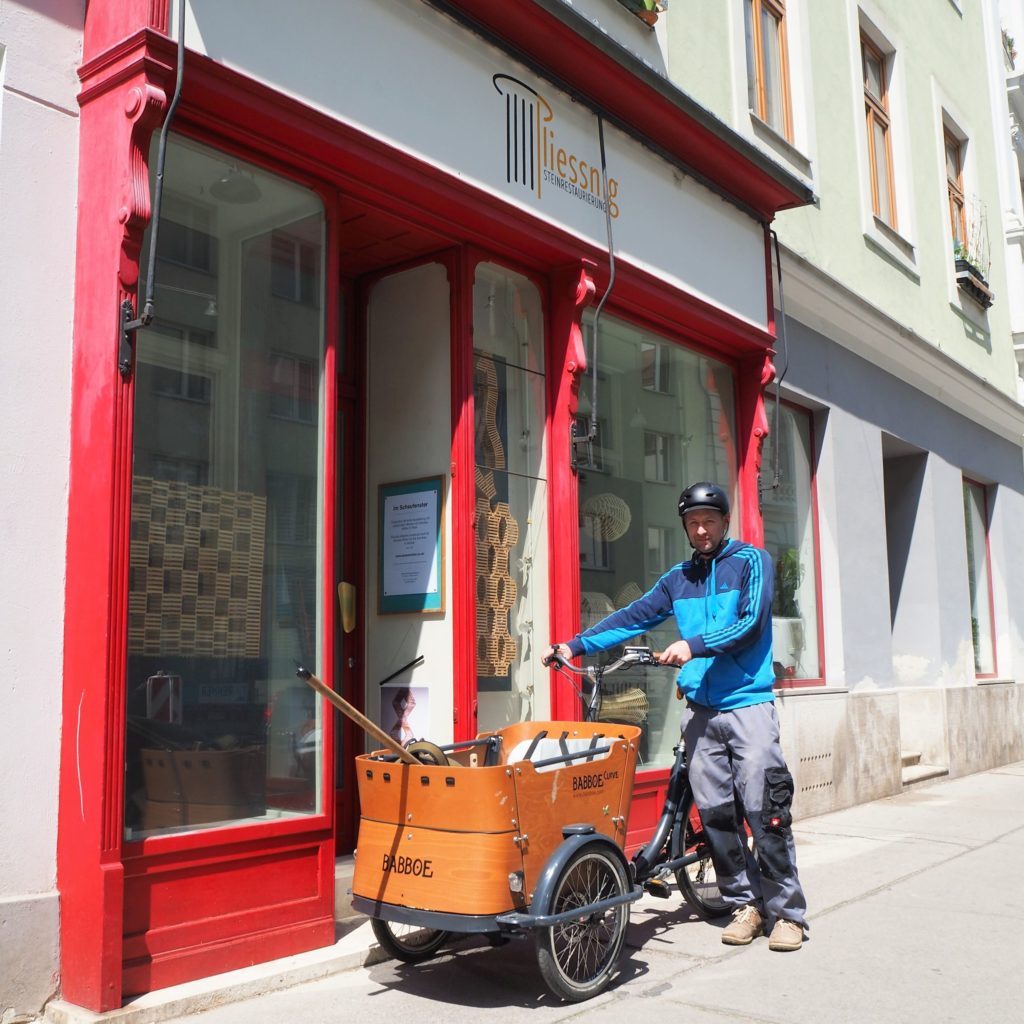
(350, 480)
(125, 90)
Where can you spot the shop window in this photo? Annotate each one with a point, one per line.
(511, 498)
(654, 364)
(170, 382)
(293, 388)
(657, 457)
(294, 268)
(186, 237)
(186, 471)
(767, 64)
(226, 563)
(979, 577)
(660, 549)
(292, 507)
(875, 68)
(790, 538)
(629, 524)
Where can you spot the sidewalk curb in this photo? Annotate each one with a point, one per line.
(356, 948)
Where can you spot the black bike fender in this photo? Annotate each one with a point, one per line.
(543, 893)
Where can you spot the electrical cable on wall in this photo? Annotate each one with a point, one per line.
(145, 318)
(591, 434)
(781, 333)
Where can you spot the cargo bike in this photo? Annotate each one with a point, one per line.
(520, 831)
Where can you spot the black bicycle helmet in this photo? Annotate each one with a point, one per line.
(703, 495)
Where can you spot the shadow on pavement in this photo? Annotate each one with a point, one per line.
(471, 972)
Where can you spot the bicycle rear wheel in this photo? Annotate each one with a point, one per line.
(697, 881)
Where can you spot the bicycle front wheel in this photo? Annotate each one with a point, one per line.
(409, 943)
(697, 881)
(576, 958)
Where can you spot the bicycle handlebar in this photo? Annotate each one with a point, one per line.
(630, 656)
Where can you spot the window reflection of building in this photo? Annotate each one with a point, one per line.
(224, 568)
(666, 418)
(511, 497)
(660, 549)
(657, 448)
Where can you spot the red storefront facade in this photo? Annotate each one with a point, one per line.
(146, 903)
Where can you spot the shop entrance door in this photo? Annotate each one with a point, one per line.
(371, 244)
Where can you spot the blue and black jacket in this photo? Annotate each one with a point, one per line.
(723, 608)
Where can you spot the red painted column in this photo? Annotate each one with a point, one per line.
(463, 498)
(756, 371)
(572, 291)
(123, 99)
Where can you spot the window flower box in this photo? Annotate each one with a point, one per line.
(646, 10)
(970, 279)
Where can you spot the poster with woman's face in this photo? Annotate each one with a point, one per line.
(404, 712)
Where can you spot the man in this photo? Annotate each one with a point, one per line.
(722, 602)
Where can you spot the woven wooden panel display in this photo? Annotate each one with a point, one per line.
(497, 533)
(490, 450)
(195, 570)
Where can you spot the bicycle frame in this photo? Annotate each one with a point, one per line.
(648, 863)
(645, 863)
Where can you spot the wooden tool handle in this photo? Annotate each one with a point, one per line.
(358, 717)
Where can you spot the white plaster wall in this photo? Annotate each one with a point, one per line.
(931, 633)
(409, 437)
(858, 631)
(40, 48)
(912, 278)
(405, 74)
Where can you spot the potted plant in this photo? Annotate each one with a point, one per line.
(969, 274)
(1009, 49)
(787, 622)
(646, 10)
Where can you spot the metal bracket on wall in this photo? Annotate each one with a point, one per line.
(129, 325)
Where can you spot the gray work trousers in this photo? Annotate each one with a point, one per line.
(736, 766)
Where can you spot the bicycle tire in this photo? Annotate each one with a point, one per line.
(696, 881)
(408, 943)
(577, 958)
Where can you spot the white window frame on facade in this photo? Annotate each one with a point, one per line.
(797, 153)
(897, 243)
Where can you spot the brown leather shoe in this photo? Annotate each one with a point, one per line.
(747, 924)
(786, 936)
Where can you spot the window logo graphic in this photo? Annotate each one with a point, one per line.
(534, 157)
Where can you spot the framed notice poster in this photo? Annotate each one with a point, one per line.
(411, 567)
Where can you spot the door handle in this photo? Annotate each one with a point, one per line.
(347, 603)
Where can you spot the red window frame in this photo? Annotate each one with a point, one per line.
(801, 682)
(984, 488)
